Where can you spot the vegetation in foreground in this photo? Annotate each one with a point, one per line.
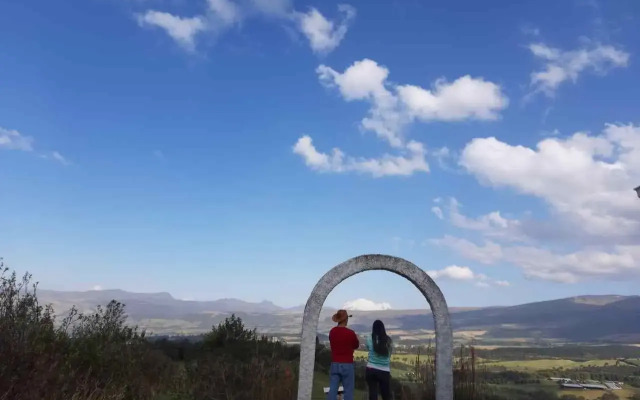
(97, 356)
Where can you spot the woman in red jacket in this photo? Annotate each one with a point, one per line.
(343, 342)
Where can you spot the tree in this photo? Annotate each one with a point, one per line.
(230, 331)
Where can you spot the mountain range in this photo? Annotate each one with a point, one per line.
(584, 319)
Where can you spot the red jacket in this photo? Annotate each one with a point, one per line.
(343, 342)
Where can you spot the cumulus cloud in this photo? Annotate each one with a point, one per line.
(181, 29)
(464, 98)
(392, 108)
(13, 140)
(565, 267)
(325, 35)
(586, 179)
(395, 106)
(458, 273)
(366, 80)
(561, 66)
(365, 305)
(387, 165)
(453, 272)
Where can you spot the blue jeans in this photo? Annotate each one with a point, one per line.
(341, 373)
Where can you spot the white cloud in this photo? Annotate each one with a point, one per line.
(387, 165)
(181, 29)
(438, 212)
(11, 139)
(96, 287)
(565, 267)
(453, 272)
(224, 13)
(621, 261)
(316, 160)
(55, 156)
(561, 66)
(587, 180)
(464, 98)
(363, 80)
(492, 224)
(325, 35)
(59, 158)
(489, 253)
(365, 305)
(366, 80)
(442, 155)
(395, 106)
(14, 140)
(458, 273)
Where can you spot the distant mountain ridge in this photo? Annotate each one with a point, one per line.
(88, 300)
(609, 318)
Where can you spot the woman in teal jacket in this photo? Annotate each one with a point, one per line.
(378, 368)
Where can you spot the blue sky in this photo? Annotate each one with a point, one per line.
(188, 146)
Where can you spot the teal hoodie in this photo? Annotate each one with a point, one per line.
(377, 361)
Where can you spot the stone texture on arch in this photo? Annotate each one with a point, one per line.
(404, 268)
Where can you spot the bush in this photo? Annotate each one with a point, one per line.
(236, 364)
(88, 357)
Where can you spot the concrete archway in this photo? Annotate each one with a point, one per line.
(404, 268)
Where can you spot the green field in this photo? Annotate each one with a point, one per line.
(596, 394)
(544, 364)
(518, 365)
(533, 367)
(518, 390)
(400, 358)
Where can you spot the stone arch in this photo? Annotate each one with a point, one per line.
(404, 268)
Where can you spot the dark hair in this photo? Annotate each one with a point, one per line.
(381, 341)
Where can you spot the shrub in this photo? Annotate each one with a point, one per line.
(87, 357)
